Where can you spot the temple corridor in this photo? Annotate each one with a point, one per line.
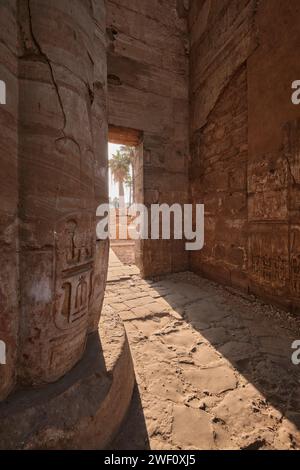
(167, 131)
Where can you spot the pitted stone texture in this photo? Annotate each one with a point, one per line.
(206, 377)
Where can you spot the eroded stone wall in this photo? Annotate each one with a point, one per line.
(148, 91)
(219, 179)
(245, 143)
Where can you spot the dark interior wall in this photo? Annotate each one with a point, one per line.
(245, 143)
(148, 91)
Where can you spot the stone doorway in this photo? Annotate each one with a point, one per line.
(125, 150)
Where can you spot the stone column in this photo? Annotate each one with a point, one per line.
(8, 196)
(69, 377)
(62, 179)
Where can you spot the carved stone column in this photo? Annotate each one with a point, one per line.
(62, 178)
(9, 314)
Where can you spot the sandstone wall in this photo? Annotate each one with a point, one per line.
(148, 91)
(55, 173)
(245, 143)
(219, 179)
(8, 194)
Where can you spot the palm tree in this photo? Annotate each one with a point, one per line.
(119, 166)
(128, 183)
(129, 152)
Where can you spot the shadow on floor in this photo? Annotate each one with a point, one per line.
(133, 434)
(244, 332)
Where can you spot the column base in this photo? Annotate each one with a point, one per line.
(84, 409)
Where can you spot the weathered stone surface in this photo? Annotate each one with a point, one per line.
(245, 144)
(207, 387)
(192, 429)
(218, 180)
(205, 311)
(217, 335)
(238, 350)
(205, 354)
(220, 43)
(62, 97)
(85, 408)
(215, 380)
(288, 436)
(9, 318)
(239, 410)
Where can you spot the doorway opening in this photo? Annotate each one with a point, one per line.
(125, 157)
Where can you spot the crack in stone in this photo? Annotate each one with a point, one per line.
(47, 60)
(7, 47)
(147, 317)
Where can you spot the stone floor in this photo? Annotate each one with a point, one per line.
(213, 368)
(118, 271)
(125, 250)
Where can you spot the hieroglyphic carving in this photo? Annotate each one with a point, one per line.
(295, 275)
(268, 188)
(291, 153)
(291, 146)
(272, 270)
(75, 257)
(75, 263)
(295, 262)
(269, 257)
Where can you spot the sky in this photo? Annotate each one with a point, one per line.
(113, 188)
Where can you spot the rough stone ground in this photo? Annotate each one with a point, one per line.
(213, 368)
(124, 250)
